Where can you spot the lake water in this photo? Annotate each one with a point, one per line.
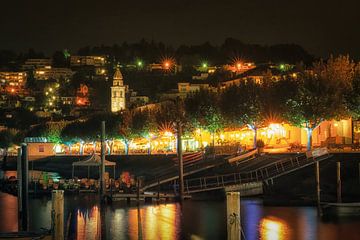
(193, 220)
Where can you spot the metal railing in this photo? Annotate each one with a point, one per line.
(269, 171)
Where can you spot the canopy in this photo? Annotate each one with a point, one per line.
(92, 161)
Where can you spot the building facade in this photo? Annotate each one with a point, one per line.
(118, 91)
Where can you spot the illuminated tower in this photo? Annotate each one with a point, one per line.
(117, 92)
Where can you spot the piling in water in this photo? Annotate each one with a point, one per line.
(57, 212)
(233, 215)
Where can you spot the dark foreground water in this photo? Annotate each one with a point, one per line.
(196, 220)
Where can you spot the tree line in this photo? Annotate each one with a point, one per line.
(326, 91)
(186, 55)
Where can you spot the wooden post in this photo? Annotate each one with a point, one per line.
(102, 166)
(158, 192)
(317, 173)
(338, 182)
(138, 191)
(359, 172)
(58, 214)
(233, 215)
(23, 184)
(19, 190)
(181, 167)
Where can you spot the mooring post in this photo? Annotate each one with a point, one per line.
(233, 215)
(338, 182)
(102, 167)
(180, 157)
(317, 173)
(359, 172)
(57, 214)
(158, 190)
(138, 190)
(23, 184)
(19, 190)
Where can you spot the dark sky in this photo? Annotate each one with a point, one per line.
(321, 27)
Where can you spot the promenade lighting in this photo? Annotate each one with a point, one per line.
(238, 65)
(167, 65)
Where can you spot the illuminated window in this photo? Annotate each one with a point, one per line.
(41, 148)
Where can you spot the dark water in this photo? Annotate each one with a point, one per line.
(196, 220)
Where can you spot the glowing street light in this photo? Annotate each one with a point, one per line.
(167, 64)
(139, 63)
(238, 65)
(204, 65)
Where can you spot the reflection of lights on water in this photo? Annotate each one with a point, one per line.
(88, 224)
(273, 229)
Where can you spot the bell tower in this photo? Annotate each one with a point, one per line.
(117, 92)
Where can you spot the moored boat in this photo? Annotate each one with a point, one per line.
(341, 209)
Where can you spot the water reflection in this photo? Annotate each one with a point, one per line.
(201, 219)
(272, 228)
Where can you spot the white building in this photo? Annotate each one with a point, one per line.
(33, 63)
(52, 73)
(96, 61)
(118, 91)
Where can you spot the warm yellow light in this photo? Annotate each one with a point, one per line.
(273, 229)
(168, 134)
(53, 97)
(222, 136)
(50, 89)
(336, 124)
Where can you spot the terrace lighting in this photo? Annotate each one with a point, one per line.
(166, 65)
(238, 65)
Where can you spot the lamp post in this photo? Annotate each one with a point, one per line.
(180, 157)
(102, 175)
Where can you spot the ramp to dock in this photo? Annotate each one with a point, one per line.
(244, 174)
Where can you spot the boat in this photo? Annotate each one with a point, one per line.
(341, 209)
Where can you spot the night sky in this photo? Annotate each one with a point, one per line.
(321, 27)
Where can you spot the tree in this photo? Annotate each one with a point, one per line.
(243, 104)
(203, 111)
(50, 130)
(125, 129)
(8, 138)
(320, 94)
(352, 96)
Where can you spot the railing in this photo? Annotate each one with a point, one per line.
(269, 171)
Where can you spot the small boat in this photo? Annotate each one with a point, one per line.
(341, 209)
